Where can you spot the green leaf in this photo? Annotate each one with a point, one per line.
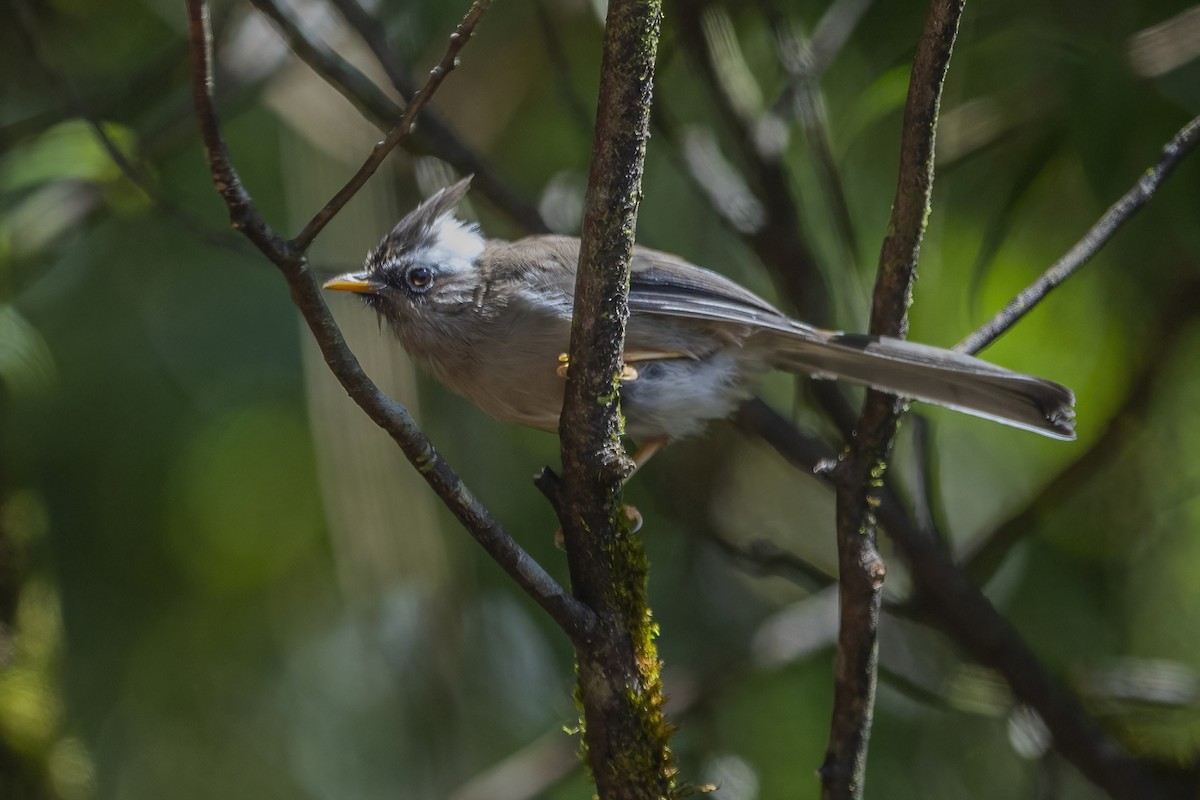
(68, 151)
(26, 364)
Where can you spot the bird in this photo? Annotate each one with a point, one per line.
(491, 319)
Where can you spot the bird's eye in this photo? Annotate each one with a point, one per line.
(419, 278)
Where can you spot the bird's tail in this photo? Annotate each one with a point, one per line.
(933, 375)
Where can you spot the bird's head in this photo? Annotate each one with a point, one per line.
(427, 265)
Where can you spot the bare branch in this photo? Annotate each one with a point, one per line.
(242, 214)
(458, 40)
(394, 418)
(859, 474)
(133, 170)
(531, 771)
(779, 241)
(433, 137)
(620, 686)
(1097, 236)
(914, 188)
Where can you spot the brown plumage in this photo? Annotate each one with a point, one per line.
(490, 318)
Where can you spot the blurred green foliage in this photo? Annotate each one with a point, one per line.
(201, 597)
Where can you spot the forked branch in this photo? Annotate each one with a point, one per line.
(289, 256)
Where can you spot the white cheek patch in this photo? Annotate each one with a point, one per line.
(455, 247)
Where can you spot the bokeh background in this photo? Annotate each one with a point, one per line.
(217, 579)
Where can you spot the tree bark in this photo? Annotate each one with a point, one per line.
(625, 734)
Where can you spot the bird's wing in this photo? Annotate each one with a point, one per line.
(661, 283)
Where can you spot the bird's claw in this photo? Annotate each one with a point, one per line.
(628, 373)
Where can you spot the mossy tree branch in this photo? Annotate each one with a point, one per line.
(625, 733)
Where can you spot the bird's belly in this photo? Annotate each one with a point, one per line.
(677, 397)
(531, 397)
(518, 380)
(512, 374)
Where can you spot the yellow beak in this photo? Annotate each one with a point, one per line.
(356, 282)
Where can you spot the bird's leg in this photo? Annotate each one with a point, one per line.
(648, 448)
(645, 452)
(628, 373)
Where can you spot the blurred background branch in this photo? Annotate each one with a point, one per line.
(779, 238)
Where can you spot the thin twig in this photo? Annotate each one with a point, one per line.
(243, 216)
(394, 418)
(1097, 236)
(433, 137)
(458, 40)
(137, 175)
(955, 605)
(859, 475)
(532, 771)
